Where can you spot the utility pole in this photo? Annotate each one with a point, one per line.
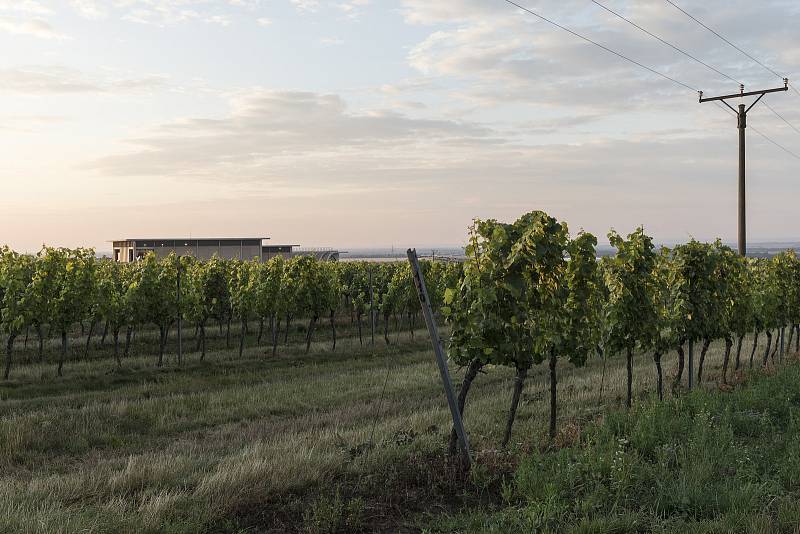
(741, 120)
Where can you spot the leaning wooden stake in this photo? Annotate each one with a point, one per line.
(180, 320)
(371, 308)
(422, 293)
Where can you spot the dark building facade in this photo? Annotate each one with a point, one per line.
(242, 248)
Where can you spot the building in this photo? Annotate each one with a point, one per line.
(242, 248)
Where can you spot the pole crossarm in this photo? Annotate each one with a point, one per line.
(731, 107)
(754, 103)
(749, 93)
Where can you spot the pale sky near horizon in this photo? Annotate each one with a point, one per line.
(353, 123)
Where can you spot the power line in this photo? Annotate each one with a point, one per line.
(769, 69)
(652, 70)
(731, 44)
(792, 126)
(673, 4)
(607, 49)
(759, 132)
(687, 54)
(768, 138)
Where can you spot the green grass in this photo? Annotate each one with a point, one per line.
(264, 443)
(706, 462)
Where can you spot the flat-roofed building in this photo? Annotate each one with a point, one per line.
(242, 248)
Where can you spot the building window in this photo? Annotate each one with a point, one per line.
(273, 249)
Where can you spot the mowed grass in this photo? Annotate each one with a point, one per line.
(345, 440)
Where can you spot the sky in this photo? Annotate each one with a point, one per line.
(361, 123)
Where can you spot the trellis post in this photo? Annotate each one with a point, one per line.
(427, 312)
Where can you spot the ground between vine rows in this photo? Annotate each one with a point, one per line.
(273, 444)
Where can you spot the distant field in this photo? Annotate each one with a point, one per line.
(272, 444)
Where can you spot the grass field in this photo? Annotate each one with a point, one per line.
(276, 444)
(707, 462)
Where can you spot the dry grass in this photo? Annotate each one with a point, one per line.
(185, 449)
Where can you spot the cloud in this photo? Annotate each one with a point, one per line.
(311, 144)
(291, 145)
(50, 80)
(163, 13)
(248, 4)
(555, 125)
(287, 145)
(269, 132)
(408, 104)
(128, 85)
(495, 113)
(27, 17)
(454, 11)
(45, 80)
(30, 123)
(90, 9)
(221, 20)
(31, 7)
(352, 10)
(408, 85)
(501, 54)
(163, 16)
(33, 27)
(331, 41)
(308, 6)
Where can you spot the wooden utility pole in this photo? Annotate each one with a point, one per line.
(741, 120)
(427, 312)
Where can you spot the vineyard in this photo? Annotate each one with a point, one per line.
(530, 293)
(58, 290)
(205, 391)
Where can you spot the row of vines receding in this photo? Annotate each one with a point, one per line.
(49, 294)
(528, 293)
(531, 293)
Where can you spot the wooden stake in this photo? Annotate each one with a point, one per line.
(422, 293)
